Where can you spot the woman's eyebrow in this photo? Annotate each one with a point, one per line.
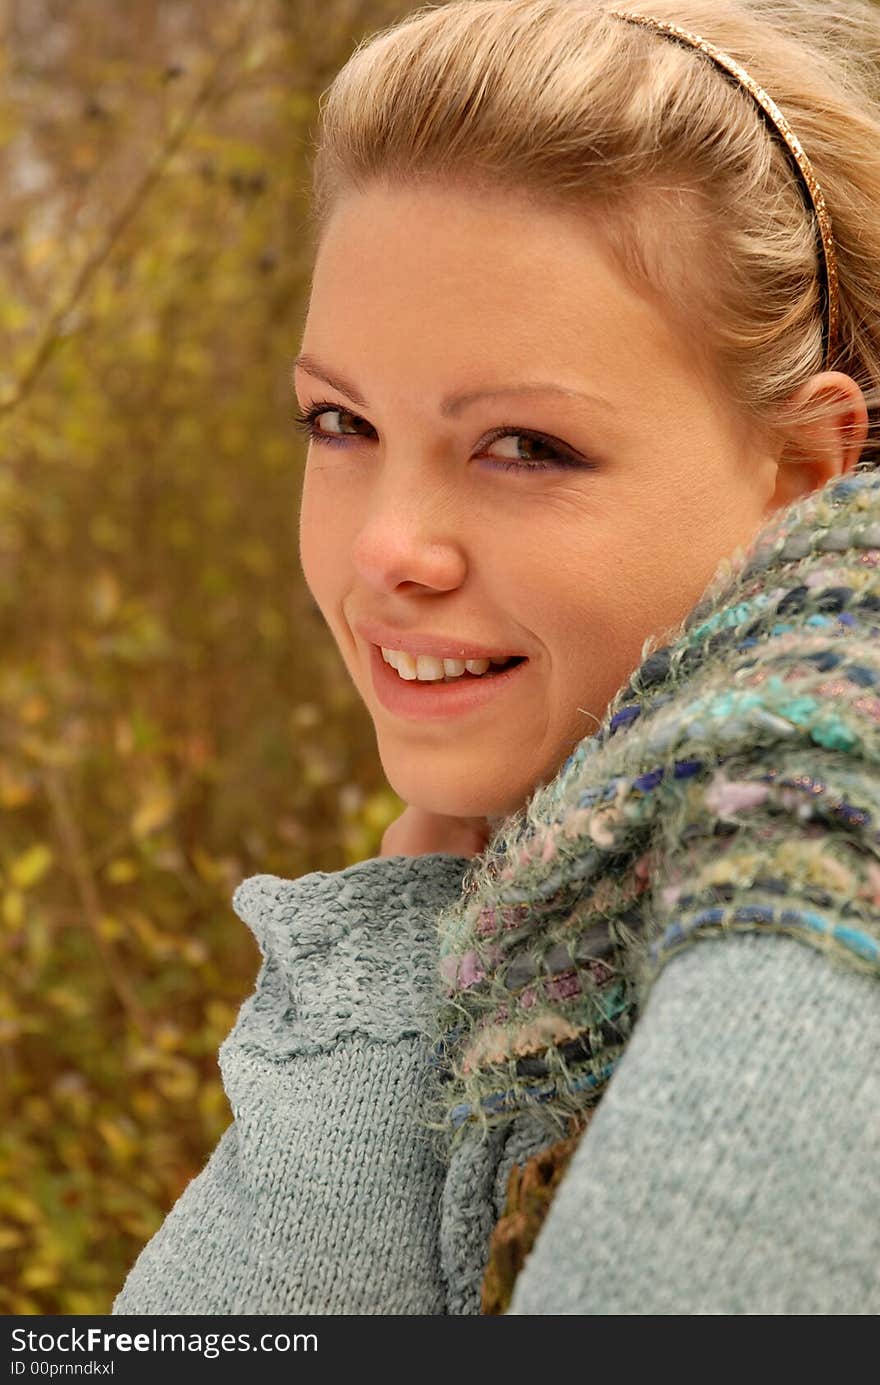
(453, 404)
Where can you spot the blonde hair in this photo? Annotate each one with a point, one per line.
(664, 157)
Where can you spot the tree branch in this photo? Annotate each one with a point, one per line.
(50, 337)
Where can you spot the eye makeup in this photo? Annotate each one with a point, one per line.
(562, 458)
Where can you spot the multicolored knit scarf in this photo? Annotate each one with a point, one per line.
(731, 785)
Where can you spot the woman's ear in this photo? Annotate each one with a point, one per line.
(814, 451)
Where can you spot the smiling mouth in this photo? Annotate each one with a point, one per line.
(465, 676)
(437, 699)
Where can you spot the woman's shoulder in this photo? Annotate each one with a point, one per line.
(731, 1166)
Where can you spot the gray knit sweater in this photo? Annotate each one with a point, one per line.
(731, 1165)
(731, 1168)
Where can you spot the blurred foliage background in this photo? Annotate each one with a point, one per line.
(174, 713)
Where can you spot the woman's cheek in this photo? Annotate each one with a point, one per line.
(316, 541)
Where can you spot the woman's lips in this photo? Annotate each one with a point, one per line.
(435, 701)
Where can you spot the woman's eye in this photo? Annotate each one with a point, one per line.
(307, 421)
(522, 445)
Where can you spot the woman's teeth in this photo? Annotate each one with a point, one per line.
(428, 669)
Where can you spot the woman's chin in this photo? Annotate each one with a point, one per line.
(464, 805)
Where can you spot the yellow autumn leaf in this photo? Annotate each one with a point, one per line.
(145, 1103)
(34, 708)
(39, 1276)
(194, 951)
(219, 1015)
(38, 250)
(178, 1080)
(18, 1205)
(104, 595)
(118, 1140)
(257, 53)
(152, 938)
(13, 315)
(15, 789)
(168, 1036)
(154, 810)
(381, 809)
(30, 866)
(68, 1001)
(13, 908)
(110, 927)
(48, 752)
(121, 870)
(123, 736)
(206, 866)
(83, 1304)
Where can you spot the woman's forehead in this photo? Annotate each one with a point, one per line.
(490, 294)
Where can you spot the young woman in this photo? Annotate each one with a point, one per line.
(590, 370)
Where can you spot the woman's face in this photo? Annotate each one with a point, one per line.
(631, 483)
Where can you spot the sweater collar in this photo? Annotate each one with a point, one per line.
(345, 952)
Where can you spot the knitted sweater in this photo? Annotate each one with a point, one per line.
(670, 955)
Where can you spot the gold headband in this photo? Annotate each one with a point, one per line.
(802, 164)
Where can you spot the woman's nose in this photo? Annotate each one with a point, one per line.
(410, 538)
